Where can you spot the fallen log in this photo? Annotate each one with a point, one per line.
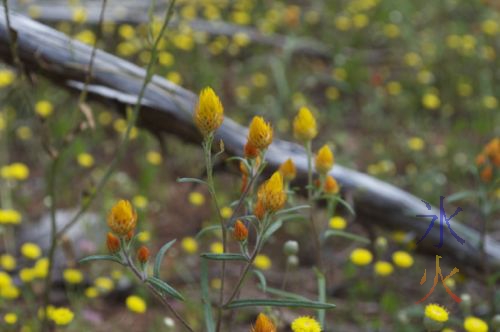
(167, 108)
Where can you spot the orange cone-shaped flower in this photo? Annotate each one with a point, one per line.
(288, 170)
(260, 133)
(240, 232)
(122, 219)
(271, 193)
(209, 113)
(250, 151)
(324, 160)
(258, 210)
(143, 254)
(263, 324)
(304, 125)
(331, 186)
(113, 243)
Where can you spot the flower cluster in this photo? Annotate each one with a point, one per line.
(488, 160)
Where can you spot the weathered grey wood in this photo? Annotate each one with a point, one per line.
(167, 108)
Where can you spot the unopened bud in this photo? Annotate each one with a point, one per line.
(113, 243)
(143, 254)
(240, 232)
(381, 244)
(130, 235)
(291, 247)
(292, 261)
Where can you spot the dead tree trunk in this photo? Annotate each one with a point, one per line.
(167, 107)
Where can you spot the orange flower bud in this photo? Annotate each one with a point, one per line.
(130, 235)
(331, 186)
(487, 174)
(480, 159)
(250, 151)
(258, 210)
(143, 254)
(209, 113)
(113, 243)
(288, 170)
(263, 324)
(260, 133)
(240, 232)
(122, 219)
(324, 160)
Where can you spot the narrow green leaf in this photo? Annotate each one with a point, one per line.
(207, 307)
(191, 180)
(321, 296)
(100, 258)
(278, 303)
(272, 229)
(163, 286)
(345, 204)
(284, 294)
(292, 209)
(207, 230)
(262, 280)
(350, 236)
(159, 257)
(224, 257)
(460, 196)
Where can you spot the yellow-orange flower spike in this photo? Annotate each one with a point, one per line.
(260, 133)
(122, 219)
(250, 151)
(240, 232)
(331, 186)
(209, 113)
(143, 254)
(263, 324)
(288, 170)
(304, 125)
(324, 160)
(113, 243)
(271, 194)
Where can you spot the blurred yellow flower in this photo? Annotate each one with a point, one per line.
(262, 262)
(10, 318)
(136, 304)
(85, 159)
(490, 27)
(304, 125)
(27, 275)
(41, 268)
(340, 74)
(391, 30)
(91, 292)
(240, 17)
(154, 158)
(226, 212)
(332, 93)
(11, 217)
(416, 143)
(393, 88)
(259, 80)
(242, 39)
(436, 313)
(305, 324)
(189, 245)
(15, 171)
(86, 36)
(7, 262)
(383, 268)
(140, 201)
(209, 112)
(215, 283)
(425, 77)
(31, 250)
(474, 324)
(166, 58)
(174, 77)
(73, 276)
(10, 292)
(338, 222)
(24, 133)
(6, 78)
(104, 284)
(61, 316)
(126, 31)
(431, 101)
(413, 59)
(361, 256)
(5, 279)
(288, 170)
(490, 102)
(324, 160)
(343, 22)
(79, 15)
(196, 198)
(360, 21)
(453, 41)
(144, 236)
(402, 259)
(260, 133)
(464, 89)
(122, 218)
(217, 248)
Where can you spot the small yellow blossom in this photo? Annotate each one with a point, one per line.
(24, 133)
(41, 268)
(85, 160)
(383, 268)
(189, 245)
(136, 304)
(5, 279)
(31, 250)
(226, 212)
(196, 198)
(73, 276)
(79, 15)
(260, 133)
(436, 313)
(324, 160)
(271, 193)
(393, 88)
(144, 236)
(86, 36)
(392, 30)
(6, 78)
(27, 275)
(122, 218)
(104, 284)
(10, 318)
(126, 31)
(490, 27)
(9, 216)
(174, 77)
(474, 324)
(490, 102)
(140, 201)
(166, 59)
(262, 262)
(259, 80)
(332, 93)
(431, 101)
(209, 113)
(416, 143)
(343, 23)
(304, 125)
(7, 262)
(91, 292)
(337, 222)
(44, 108)
(402, 259)
(9, 292)
(217, 248)
(361, 256)
(61, 316)
(154, 158)
(15, 171)
(263, 324)
(288, 170)
(305, 324)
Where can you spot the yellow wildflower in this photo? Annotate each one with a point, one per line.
(402, 259)
(217, 248)
(91, 292)
(262, 262)
(79, 15)
(324, 160)
(416, 143)
(144, 236)
(209, 113)
(304, 125)
(27, 275)
(288, 170)
(5, 279)
(392, 30)
(383, 268)
(10, 217)
(337, 222)
(44, 108)
(331, 186)
(73, 276)
(431, 101)
(263, 324)
(85, 160)
(490, 27)
(154, 158)
(226, 212)
(31, 250)
(136, 304)
(140, 201)
(15, 171)
(196, 198)
(104, 284)
(61, 316)
(260, 133)
(305, 324)
(122, 219)
(7, 262)
(10, 318)
(6, 78)
(41, 268)
(271, 193)
(436, 313)
(9, 292)
(24, 133)
(361, 256)
(474, 324)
